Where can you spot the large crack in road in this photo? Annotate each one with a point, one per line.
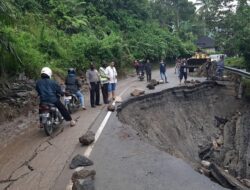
(200, 123)
(15, 176)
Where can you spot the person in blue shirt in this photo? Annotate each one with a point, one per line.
(163, 69)
(48, 91)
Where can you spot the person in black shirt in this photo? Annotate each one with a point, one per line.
(148, 69)
(183, 71)
(73, 86)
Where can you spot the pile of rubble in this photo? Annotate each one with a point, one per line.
(83, 179)
(226, 158)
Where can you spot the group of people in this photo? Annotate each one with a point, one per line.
(141, 65)
(181, 68)
(105, 78)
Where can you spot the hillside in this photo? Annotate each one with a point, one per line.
(63, 33)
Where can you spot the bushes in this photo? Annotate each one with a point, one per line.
(63, 34)
(237, 62)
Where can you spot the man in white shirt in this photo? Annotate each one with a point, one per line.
(111, 71)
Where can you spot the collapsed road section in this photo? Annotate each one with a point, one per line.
(205, 125)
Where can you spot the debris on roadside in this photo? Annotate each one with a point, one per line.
(154, 82)
(83, 180)
(246, 182)
(150, 86)
(205, 164)
(225, 179)
(83, 174)
(87, 138)
(111, 108)
(80, 160)
(84, 184)
(118, 99)
(137, 92)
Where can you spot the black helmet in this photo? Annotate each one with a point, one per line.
(71, 71)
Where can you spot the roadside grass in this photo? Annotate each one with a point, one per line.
(236, 62)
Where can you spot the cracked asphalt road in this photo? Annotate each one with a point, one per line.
(36, 162)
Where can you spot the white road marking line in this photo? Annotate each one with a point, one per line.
(97, 135)
(100, 129)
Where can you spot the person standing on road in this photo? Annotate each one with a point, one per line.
(136, 65)
(148, 69)
(73, 86)
(177, 67)
(93, 80)
(183, 72)
(48, 91)
(163, 69)
(220, 67)
(141, 67)
(104, 82)
(112, 74)
(208, 66)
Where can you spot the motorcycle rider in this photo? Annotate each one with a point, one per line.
(48, 91)
(73, 86)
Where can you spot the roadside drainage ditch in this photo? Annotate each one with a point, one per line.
(205, 125)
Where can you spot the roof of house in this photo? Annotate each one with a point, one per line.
(205, 42)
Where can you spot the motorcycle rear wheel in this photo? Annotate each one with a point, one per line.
(48, 127)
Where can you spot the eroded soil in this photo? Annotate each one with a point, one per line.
(183, 121)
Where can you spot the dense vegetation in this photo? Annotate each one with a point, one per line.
(72, 33)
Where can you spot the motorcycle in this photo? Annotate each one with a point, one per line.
(71, 101)
(50, 117)
(141, 76)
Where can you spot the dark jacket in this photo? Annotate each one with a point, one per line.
(162, 67)
(141, 67)
(48, 90)
(183, 69)
(72, 83)
(148, 67)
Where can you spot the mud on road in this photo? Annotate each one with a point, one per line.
(202, 122)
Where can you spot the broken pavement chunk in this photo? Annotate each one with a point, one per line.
(80, 160)
(137, 92)
(87, 138)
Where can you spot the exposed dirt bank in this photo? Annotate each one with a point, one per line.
(184, 121)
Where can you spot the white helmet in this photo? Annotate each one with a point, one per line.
(47, 71)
